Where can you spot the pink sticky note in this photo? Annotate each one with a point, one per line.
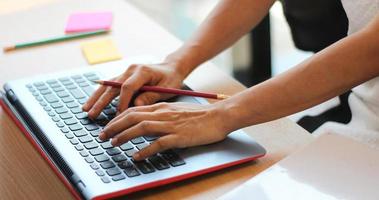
(89, 21)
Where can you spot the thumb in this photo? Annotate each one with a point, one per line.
(147, 98)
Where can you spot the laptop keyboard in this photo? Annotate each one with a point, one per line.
(62, 100)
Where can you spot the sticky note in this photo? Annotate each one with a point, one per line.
(100, 51)
(89, 21)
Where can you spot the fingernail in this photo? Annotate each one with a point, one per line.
(102, 136)
(137, 156)
(139, 103)
(114, 141)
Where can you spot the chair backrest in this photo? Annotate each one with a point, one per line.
(315, 24)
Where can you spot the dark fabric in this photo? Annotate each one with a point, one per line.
(315, 24)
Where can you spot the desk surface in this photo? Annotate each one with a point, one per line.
(24, 173)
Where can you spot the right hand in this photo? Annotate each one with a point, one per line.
(136, 76)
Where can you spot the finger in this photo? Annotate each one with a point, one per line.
(130, 86)
(126, 122)
(109, 94)
(131, 110)
(159, 145)
(141, 129)
(93, 98)
(148, 98)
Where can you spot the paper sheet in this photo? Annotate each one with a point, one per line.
(89, 21)
(102, 50)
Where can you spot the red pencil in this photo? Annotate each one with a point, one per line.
(167, 90)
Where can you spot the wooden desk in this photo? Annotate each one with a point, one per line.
(23, 172)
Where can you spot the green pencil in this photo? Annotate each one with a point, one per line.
(52, 40)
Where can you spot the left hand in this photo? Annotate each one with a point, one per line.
(179, 125)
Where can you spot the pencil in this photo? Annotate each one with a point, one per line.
(53, 40)
(167, 90)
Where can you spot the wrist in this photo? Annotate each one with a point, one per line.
(227, 113)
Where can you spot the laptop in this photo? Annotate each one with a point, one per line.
(47, 108)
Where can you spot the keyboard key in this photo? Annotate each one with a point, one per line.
(67, 99)
(101, 158)
(69, 135)
(79, 147)
(47, 108)
(91, 127)
(138, 140)
(55, 119)
(55, 85)
(90, 145)
(61, 110)
(112, 171)
(65, 116)
(150, 138)
(51, 114)
(75, 127)
(60, 124)
(119, 158)
(107, 165)
(76, 110)
(64, 79)
(51, 98)
(144, 166)
(126, 146)
(125, 164)
(105, 179)
(110, 111)
(70, 121)
(130, 152)
(142, 145)
(118, 177)
(106, 145)
(67, 83)
(74, 141)
(95, 133)
(80, 133)
(81, 115)
(85, 121)
(84, 153)
(76, 77)
(56, 105)
(83, 84)
(77, 93)
(131, 171)
(113, 151)
(58, 89)
(82, 101)
(72, 105)
(100, 172)
(89, 159)
(45, 92)
(71, 87)
(65, 130)
(96, 151)
(172, 158)
(88, 90)
(39, 98)
(85, 139)
(159, 162)
(100, 141)
(94, 166)
(62, 94)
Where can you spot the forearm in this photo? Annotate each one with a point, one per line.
(327, 74)
(224, 26)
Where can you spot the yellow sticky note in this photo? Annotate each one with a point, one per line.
(99, 51)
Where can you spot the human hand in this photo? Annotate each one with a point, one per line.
(179, 125)
(136, 76)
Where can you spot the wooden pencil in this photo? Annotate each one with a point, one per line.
(53, 40)
(167, 90)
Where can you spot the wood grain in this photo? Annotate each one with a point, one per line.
(24, 173)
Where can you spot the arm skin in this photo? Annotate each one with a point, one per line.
(225, 25)
(346, 64)
(336, 69)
